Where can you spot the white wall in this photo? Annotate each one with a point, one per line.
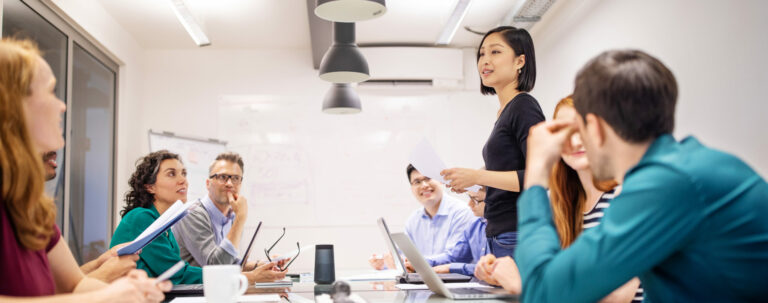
(355, 165)
(92, 17)
(716, 49)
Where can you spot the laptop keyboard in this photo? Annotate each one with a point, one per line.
(416, 278)
(468, 291)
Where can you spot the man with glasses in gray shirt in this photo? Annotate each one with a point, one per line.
(210, 233)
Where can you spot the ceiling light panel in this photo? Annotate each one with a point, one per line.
(190, 24)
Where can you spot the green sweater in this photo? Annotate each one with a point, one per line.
(161, 253)
(690, 221)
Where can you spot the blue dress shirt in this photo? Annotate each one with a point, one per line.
(464, 256)
(441, 233)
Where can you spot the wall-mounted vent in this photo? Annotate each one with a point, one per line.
(526, 13)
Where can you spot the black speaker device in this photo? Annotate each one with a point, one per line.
(325, 270)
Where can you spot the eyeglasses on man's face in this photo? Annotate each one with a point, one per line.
(418, 181)
(223, 178)
(284, 267)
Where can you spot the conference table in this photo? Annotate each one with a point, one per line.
(370, 291)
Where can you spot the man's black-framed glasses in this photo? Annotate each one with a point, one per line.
(476, 200)
(418, 181)
(284, 267)
(223, 178)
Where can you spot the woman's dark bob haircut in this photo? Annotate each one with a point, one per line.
(521, 42)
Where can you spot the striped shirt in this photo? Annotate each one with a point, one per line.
(592, 219)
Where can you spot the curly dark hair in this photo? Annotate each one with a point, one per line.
(145, 174)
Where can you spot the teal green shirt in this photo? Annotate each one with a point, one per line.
(161, 253)
(690, 221)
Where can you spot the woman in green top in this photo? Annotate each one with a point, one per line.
(159, 181)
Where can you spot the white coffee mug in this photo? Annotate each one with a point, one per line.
(223, 283)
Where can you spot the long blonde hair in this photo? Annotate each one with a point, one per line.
(22, 177)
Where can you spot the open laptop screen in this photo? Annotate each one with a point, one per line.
(391, 246)
(250, 245)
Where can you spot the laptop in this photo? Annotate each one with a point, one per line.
(405, 276)
(436, 285)
(197, 289)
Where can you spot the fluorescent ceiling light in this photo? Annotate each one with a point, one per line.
(189, 23)
(453, 22)
(510, 16)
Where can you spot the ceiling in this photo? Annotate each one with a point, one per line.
(243, 24)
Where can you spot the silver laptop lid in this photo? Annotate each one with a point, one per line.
(429, 276)
(399, 263)
(244, 261)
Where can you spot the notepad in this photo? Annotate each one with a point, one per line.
(177, 211)
(276, 284)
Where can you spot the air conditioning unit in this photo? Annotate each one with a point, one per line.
(414, 67)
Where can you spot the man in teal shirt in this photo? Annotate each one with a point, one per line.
(690, 221)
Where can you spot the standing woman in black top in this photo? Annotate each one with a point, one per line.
(507, 66)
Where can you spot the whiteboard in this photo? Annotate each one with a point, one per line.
(197, 154)
(305, 168)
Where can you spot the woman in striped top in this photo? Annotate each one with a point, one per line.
(578, 201)
(577, 204)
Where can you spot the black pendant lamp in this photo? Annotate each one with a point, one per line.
(349, 10)
(341, 99)
(343, 62)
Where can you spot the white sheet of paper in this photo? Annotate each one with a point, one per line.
(378, 275)
(259, 298)
(170, 212)
(426, 160)
(448, 285)
(245, 298)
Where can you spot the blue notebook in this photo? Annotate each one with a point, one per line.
(176, 212)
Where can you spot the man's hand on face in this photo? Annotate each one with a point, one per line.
(238, 204)
(545, 144)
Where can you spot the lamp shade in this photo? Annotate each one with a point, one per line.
(343, 62)
(341, 99)
(349, 10)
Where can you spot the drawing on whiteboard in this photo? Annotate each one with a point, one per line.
(276, 174)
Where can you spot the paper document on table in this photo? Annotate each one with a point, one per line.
(379, 275)
(245, 298)
(448, 285)
(425, 159)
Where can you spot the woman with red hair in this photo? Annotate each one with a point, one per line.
(37, 266)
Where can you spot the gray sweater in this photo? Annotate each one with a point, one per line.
(197, 242)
